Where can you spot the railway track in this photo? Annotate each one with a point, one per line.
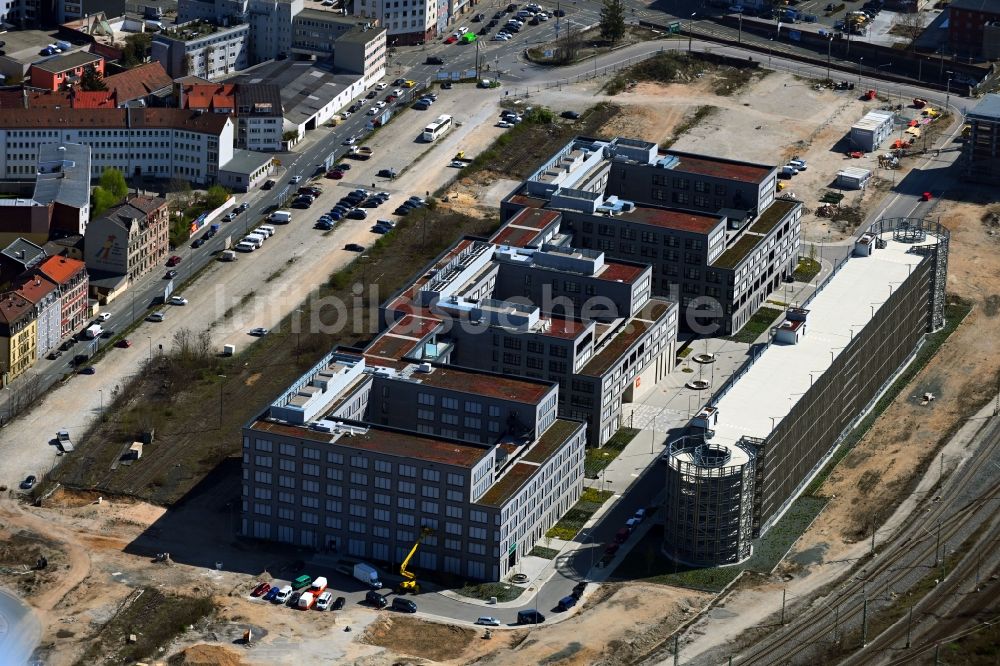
(817, 626)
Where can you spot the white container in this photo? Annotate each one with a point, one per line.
(228, 350)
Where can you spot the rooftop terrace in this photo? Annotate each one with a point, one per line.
(667, 218)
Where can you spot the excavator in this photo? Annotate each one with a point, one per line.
(409, 583)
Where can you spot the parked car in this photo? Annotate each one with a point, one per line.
(88, 370)
(375, 599)
(260, 332)
(354, 247)
(447, 85)
(198, 242)
(273, 593)
(357, 214)
(169, 275)
(53, 355)
(295, 179)
(178, 300)
(640, 515)
(570, 115)
(261, 590)
(530, 616)
(338, 603)
(323, 601)
(488, 621)
(335, 174)
(157, 316)
(434, 60)
(268, 185)
(404, 605)
(566, 603)
(174, 260)
(124, 343)
(29, 482)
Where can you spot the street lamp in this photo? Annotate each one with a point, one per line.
(829, 43)
(150, 338)
(947, 95)
(691, 34)
(861, 62)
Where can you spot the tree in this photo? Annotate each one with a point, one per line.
(215, 196)
(113, 181)
(92, 79)
(908, 26)
(136, 49)
(613, 21)
(101, 200)
(569, 45)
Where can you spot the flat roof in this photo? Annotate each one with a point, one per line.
(388, 441)
(669, 218)
(246, 161)
(478, 382)
(773, 385)
(306, 86)
(69, 61)
(566, 329)
(528, 201)
(552, 440)
(69, 182)
(738, 251)
(508, 484)
(773, 215)
(626, 336)
(515, 236)
(718, 167)
(989, 106)
(619, 271)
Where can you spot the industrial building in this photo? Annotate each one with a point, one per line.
(717, 239)
(868, 133)
(981, 150)
(853, 178)
(772, 427)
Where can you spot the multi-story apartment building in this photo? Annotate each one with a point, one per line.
(406, 21)
(364, 455)
(158, 143)
(71, 278)
(202, 49)
(256, 108)
(129, 240)
(717, 239)
(269, 21)
(44, 298)
(64, 71)
(18, 336)
(981, 149)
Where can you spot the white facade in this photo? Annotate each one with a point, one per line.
(48, 314)
(211, 56)
(161, 152)
(271, 27)
(402, 17)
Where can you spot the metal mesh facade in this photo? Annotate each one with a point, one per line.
(709, 503)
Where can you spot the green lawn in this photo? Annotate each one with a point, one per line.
(760, 322)
(484, 591)
(806, 270)
(574, 520)
(598, 459)
(541, 551)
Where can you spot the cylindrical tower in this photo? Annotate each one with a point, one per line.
(709, 503)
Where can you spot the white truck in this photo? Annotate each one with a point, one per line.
(280, 217)
(368, 575)
(93, 331)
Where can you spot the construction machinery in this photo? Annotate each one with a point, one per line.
(409, 583)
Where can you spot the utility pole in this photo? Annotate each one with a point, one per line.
(836, 625)
(909, 621)
(784, 591)
(874, 521)
(864, 623)
(677, 650)
(937, 547)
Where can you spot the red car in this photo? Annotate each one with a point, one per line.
(611, 549)
(451, 40)
(926, 196)
(123, 343)
(260, 590)
(335, 175)
(173, 261)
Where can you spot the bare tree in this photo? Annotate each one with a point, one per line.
(569, 45)
(909, 26)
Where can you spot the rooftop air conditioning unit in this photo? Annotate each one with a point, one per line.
(424, 367)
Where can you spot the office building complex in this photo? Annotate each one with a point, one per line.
(157, 143)
(363, 456)
(981, 150)
(715, 235)
(773, 426)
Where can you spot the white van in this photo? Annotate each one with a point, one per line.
(254, 240)
(268, 228)
(261, 231)
(283, 594)
(280, 217)
(243, 246)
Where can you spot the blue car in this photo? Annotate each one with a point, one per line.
(272, 593)
(336, 216)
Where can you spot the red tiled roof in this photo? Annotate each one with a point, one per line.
(60, 269)
(210, 96)
(36, 288)
(672, 219)
(13, 306)
(94, 99)
(138, 81)
(211, 123)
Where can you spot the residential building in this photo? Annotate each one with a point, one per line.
(363, 456)
(405, 24)
(44, 298)
(256, 108)
(139, 142)
(146, 84)
(128, 240)
(967, 25)
(270, 27)
(774, 426)
(18, 336)
(70, 275)
(362, 51)
(981, 148)
(717, 239)
(64, 71)
(202, 48)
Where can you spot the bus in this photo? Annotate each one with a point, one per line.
(437, 128)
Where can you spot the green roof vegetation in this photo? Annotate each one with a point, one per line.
(734, 255)
(773, 215)
(552, 439)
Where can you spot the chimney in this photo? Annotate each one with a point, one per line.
(24, 97)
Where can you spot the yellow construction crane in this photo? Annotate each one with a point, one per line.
(409, 583)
